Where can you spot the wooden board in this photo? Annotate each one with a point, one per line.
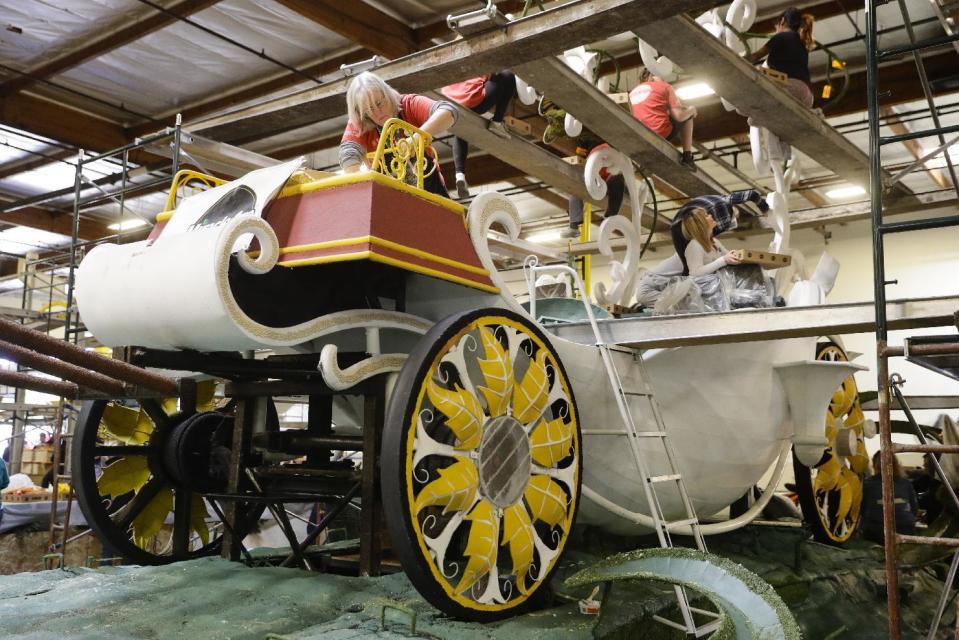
(765, 259)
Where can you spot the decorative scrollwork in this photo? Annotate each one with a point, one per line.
(401, 153)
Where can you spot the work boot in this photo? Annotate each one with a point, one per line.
(498, 129)
(686, 159)
(462, 189)
(569, 232)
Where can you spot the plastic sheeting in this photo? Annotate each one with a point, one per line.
(729, 288)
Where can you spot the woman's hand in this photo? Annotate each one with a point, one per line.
(731, 258)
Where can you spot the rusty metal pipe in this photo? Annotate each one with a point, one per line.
(73, 354)
(61, 369)
(939, 349)
(43, 385)
(888, 506)
(925, 448)
(938, 542)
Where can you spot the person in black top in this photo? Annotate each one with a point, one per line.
(788, 51)
(904, 497)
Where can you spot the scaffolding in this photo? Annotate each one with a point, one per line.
(938, 353)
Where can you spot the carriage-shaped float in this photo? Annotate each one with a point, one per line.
(381, 303)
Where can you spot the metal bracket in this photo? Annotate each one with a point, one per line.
(473, 21)
(347, 70)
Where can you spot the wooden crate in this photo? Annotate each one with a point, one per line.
(38, 496)
(765, 259)
(42, 454)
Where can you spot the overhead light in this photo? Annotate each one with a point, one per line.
(126, 225)
(693, 91)
(545, 236)
(20, 240)
(848, 191)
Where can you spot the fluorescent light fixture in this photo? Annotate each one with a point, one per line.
(545, 236)
(693, 91)
(126, 225)
(848, 191)
(20, 240)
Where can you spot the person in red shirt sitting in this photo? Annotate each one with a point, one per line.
(655, 104)
(370, 102)
(480, 95)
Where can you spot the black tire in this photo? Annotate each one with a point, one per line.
(401, 479)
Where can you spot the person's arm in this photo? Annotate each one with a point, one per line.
(352, 153)
(749, 195)
(696, 260)
(677, 110)
(759, 54)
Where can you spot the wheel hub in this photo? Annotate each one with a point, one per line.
(196, 455)
(504, 461)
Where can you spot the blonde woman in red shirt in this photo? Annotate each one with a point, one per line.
(370, 102)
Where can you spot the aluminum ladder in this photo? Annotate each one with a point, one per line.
(633, 435)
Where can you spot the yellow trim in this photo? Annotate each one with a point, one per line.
(163, 216)
(439, 579)
(387, 244)
(393, 262)
(369, 176)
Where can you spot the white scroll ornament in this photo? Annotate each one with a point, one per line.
(659, 66)
(486, 210)
(584, 63)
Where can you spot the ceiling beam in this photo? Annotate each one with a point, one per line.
(610, 121)
(527, 39)
(691, 46)
(55, 222)
(34, 161)
(115, 37)
(366, 25)
(913, 146)
(51, 120)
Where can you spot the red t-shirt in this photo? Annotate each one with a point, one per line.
(468, 93)
(651, 102)
(415, 109)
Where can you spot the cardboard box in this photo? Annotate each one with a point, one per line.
(765, 259)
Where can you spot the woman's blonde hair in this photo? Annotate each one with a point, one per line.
(360, 96)
(695, 226)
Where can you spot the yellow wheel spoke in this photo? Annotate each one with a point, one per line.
(518, 535)
(551, 442)
(455, 489)
(497, 373)
(151, 519)
(464, 415)
(481, 545)
(547, 502)
(123, 476)
(530, 395)
(131, 426)
(205, 391)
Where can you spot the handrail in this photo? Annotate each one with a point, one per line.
(400, 145)
(183, 178)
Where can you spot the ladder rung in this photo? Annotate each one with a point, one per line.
(650, 434)
(680, 523)
(603, 432)
(637, 393)
(666, 478)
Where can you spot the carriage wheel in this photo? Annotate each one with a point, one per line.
(830, 493)
(481, 464)
(140, 465)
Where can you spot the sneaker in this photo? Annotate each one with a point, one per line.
(569, 232)
(498, 129)
(462, 189)
(686, 159)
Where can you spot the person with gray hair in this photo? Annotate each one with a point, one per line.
(370, 102)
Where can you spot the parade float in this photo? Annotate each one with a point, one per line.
(381, 304)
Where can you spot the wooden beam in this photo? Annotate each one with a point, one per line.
(357, 21)
(689, 45)
(915, 149)
(58, 122)
(115, 36)
(609, 121)
(55, 222)
(543, 193)
(531, 38)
